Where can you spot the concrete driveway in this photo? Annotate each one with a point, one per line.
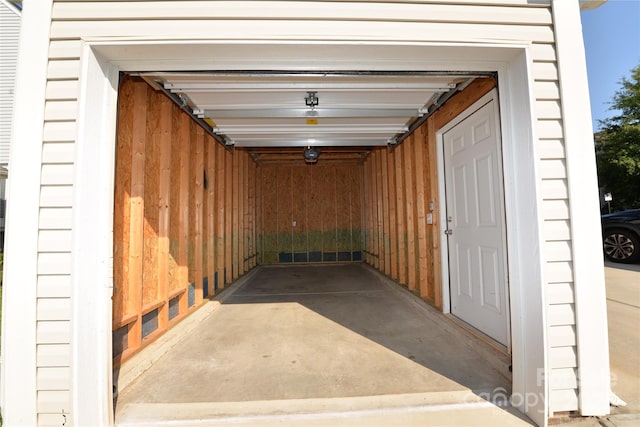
(623, 309)
(321, 345)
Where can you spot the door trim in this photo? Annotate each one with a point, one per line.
(513, 63)
(446, 285)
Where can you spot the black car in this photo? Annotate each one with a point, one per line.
(621, 235)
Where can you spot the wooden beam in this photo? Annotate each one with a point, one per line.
(421, 214)
(136, 222)
(379, 263)
(434, 191)
(183, 184)
(259, 216)
(250, 213)
(386, 244)
(228, 251)
(151, 197)
(210, 145)
(393, 228)
(400, 215)
(165, 105)
(462, 100)
(409, 176)
(235, 185)
(241, 206)
(220, 214)
(122, 203)
(366, 211)
(198, 196)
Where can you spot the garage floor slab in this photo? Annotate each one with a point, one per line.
(326, 338)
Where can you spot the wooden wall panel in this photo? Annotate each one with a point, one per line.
(400, 216)
(400, 192)
(170, 232)
(329, 214)
(197, 168)
(386, 235)
(284, 189)
(151, 191)
(299, 198)
(324, 202)
(164, 200)
(366, 185)
(219, 279)
(393, 230)
(228, 212)
(183, 141)
(423, 254)
(269, 215)
(241, 194)
(409, 187)
(435, 283)
(136, 219)
(314, 218)
(356, 198)
(235, 190)
(343, 214)
(122, 205)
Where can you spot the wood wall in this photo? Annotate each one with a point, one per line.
(184, 217)
(400, 191)
(310, 213)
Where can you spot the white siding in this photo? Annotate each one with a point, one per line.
(9, 37)
(494, 21)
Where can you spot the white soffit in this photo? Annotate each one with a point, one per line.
(272, 109)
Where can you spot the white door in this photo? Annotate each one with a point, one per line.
(475, 223)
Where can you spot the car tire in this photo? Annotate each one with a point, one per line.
(621, 245)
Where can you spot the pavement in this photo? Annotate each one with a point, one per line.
(318, 345)
(623, 311)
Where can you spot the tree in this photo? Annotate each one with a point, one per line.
(618, 146)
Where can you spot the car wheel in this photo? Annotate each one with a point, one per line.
(621, 246)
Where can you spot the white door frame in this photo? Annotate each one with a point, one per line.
(96, 151)
(444, 254)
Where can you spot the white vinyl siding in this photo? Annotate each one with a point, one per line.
(485, 21)
(9, 38)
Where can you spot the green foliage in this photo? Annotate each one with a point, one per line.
(618, 146)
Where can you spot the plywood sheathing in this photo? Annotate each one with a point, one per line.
(310, 213)
(400, 187)
(170, 232)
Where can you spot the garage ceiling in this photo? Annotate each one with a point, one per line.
(299, 109)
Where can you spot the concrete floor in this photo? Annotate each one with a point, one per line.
(320, 339)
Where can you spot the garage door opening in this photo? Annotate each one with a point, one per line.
(202, 198)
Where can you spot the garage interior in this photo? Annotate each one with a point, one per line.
(219, 173)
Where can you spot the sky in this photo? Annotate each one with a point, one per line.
(612, 44)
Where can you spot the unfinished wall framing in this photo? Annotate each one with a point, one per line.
(400, 190)
(177, 239)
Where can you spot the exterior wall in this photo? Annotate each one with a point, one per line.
(169, 209)
(498, 22)
(401, 189)
(9, 35)
(325, 203)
